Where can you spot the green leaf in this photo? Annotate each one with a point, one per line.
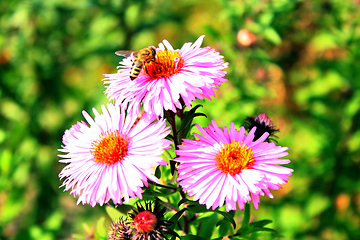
(316, 204)
(198, 208)
(114, 213)
(228, 217)
(224, 227)
(175, 218)
(266, 18)
(172, 167)
(324, 40)
(199, 114)
(154, 193)
(5, 161)
(263, 230)
(208, 226)
(240, 238)
(271, 35)
(188, 117)
(183, 201)
(158, 172)
(193, 110)
(169, 137)
(100, 229)
(54, 221)
(261, 223)
(192, 237)
(175, 234)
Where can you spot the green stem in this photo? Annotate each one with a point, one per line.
(246, 220)
(171, 117)
(185, 217)
(172, 121)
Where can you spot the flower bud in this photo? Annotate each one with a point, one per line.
(263, 124)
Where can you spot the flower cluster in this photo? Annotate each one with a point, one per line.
(114, 155)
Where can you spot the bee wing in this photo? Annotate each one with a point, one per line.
(125, 53)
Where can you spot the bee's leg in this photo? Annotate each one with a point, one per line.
(154, 61)
(145, 68)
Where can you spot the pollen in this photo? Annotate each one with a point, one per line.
(145, 221)
(166, 64)
(234, 157)
(110, 148)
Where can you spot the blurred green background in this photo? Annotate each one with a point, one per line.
(298, 61)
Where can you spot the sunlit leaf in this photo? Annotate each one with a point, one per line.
(114, 213)
(271, 35)
(100, 229)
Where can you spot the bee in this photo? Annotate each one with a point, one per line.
(143, 56)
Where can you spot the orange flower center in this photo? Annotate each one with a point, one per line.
(110, 148)
(166, 64)
(145, 222)
(234, 157)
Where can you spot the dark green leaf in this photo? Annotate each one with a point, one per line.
(169, 231)
(193, 110)
(198, 208)
(199, 114)
(158, 172)
(187, 120)
(192, 237)
(224, 227)
(169, 137)
(177, 215)
(172, 167)
(183, 201)
(228, 217)
(163, 192)
(208, 226)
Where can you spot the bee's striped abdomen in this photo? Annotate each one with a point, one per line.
(135, 69)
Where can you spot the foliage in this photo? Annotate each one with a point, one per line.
(302, 70)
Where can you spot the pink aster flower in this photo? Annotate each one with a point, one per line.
(112, 158)
(176, 76)
(228, 166)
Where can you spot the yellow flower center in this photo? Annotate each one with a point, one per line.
(234, 157)
(166, 64)
(109, 148)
